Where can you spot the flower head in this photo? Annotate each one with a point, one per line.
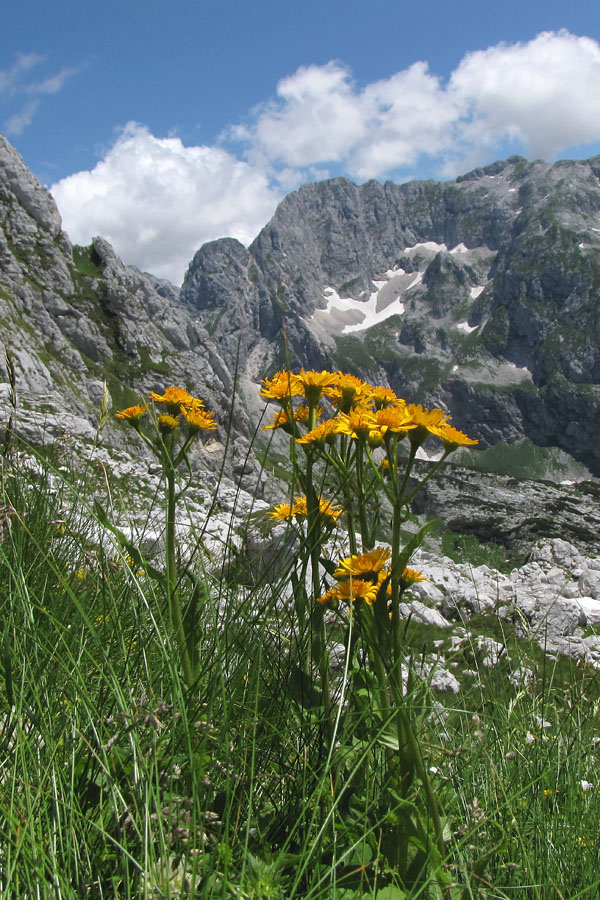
(283, 512)
(370, 563)
(354, 589)
(299, 510)
(348, 391)
(173, 398)
(313, 383)
(132, 414)
(282, 386)
(453, 438)
(425, 421)
(325, 433)
(394, 418)
(167, 423)
(381, 397)
(327, 509)
(198, 419)
(411, 576)
(360, 423)
(280, 420)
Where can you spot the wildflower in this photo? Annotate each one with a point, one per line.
(280, 420)
(348, 391)
(426, 421)
(167, 423)
(394, 418)
(282, 386)
(299, 509)
(586, 842)
(382, 397)
(359, 423)
(303, 412)
(452, 437)
(132, 414)
(369, 563)
(282, 511)
(410, 576)
(353, 589)
(313, 383)
(173, 398)
(326, 508)
(198, 419)
(325, 433)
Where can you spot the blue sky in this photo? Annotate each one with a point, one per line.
(161, 125)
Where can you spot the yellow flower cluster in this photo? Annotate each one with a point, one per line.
(299, 510)
(362, 576)
(179, 405)
(361, 411)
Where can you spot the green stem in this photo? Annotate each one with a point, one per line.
(367, 543)
(171, 565)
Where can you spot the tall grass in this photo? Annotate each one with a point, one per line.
(118, 781)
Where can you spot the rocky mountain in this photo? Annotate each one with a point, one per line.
(72, 317)
(481, 295)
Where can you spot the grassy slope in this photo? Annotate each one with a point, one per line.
(116, 784)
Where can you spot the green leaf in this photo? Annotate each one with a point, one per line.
(413, 544)
(301, 689)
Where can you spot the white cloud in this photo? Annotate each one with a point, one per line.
(543, 95)
(157, 201)
(317, 115)
(17, 123)
(10, 78)
(15, 85)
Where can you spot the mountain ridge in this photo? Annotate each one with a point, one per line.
(445, 317)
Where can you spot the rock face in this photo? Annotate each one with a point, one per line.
(482, 294)
(71, 317)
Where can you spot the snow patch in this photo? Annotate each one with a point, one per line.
(346, 315)
(476, 291)
(460, 248)
(466, 328)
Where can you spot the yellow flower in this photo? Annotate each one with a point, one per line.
(452, 437)
(352, 590)
(426, 422)
(408, 577)
(303, 412)
(326, 508)
(312, 383)
(370, 563)
(348, 391)
(280, 420)
(325, 433)
(198, 419)
(167, 423)
(282, 386)
(382, 397)
(132, 414)
(394, 418)
(173, 398)
(359, 423)
(282, 511)
(299, 509)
